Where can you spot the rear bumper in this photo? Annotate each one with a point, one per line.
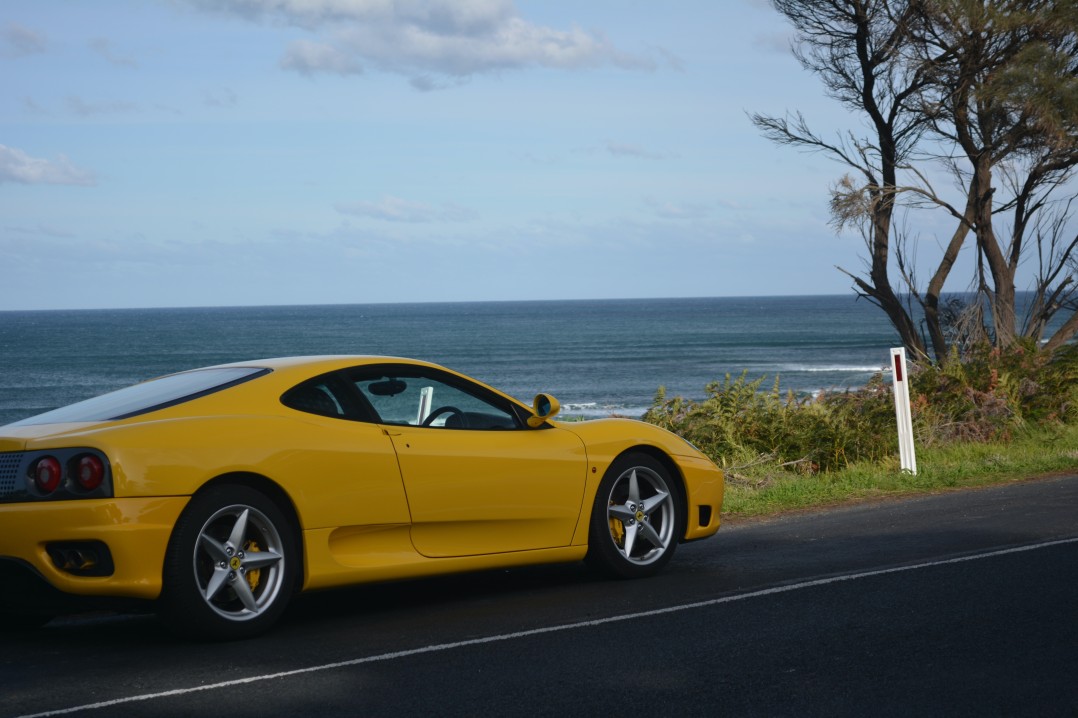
(26, 593)
(705, 483)
(134, 530)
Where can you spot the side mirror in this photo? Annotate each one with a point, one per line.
(544, 407)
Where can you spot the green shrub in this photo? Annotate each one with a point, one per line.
(990, 393)
(983, 397)
(738, 422)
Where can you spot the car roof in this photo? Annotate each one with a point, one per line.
(327, 362)
(289, 371)
(262, 394)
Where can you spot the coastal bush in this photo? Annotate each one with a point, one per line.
(739, 423)
(990, 393)
(985, 396)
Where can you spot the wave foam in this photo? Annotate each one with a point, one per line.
(810, 369)
(596, 410)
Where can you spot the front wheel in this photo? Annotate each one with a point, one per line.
(635, 523)
(231, 565)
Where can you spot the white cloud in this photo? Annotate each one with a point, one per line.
(421, 38)
(18, 41)
(672, 60)
(85, 108)
(395, 209)
(779, 42)
(103, 47)
(223, 97)
(679, 211)
(17, 166)
(32, 107)
(622, 149)
(308, 58)
(458, 15)
(42, 230)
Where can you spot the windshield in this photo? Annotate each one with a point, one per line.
(148, 396)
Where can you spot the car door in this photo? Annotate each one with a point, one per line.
(477, 480)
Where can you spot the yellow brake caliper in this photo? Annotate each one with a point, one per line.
(617, 530)
(253, 574)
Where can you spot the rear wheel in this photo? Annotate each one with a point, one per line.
(231, 565)
(636, 522)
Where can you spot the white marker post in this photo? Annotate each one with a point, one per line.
(899, 379)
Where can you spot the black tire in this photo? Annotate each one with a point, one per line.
(231, 566)
(635, 536)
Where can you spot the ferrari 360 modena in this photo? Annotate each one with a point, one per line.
(215, 495)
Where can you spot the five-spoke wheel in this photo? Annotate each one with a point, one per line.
(635, 523)
(231, 565)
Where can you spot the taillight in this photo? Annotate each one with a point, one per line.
(47, 474)
(64, 474)
(89, 472)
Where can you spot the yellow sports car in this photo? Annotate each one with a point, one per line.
(218, 493)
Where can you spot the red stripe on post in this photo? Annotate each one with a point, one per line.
(898, 367)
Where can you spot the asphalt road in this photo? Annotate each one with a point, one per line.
(951, 605)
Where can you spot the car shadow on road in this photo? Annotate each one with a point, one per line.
(443, 593)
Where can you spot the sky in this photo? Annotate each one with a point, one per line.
(166, 153)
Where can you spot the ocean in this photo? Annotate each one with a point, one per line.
(597, 356)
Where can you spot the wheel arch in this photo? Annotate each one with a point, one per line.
(671, 466)
(275, 493)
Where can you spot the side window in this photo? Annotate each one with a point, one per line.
(318, 396)
(409, 396)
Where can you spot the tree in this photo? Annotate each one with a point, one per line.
(1000, 100)
(855, 47)
(988, 89)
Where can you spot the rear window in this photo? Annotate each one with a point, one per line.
(148, 396)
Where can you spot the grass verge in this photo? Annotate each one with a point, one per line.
(761, 491)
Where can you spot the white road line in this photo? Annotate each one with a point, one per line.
(550, 629)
